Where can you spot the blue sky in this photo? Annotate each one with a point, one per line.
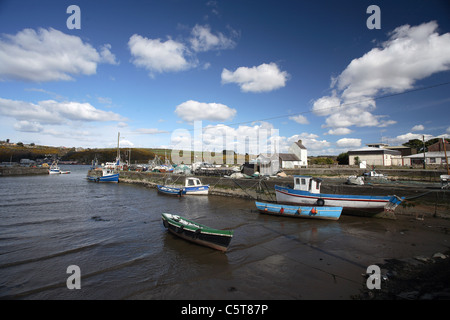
(164, 73)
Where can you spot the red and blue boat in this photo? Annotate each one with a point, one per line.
(306, 191)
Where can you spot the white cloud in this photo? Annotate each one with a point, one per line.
(191, 110)
(158, 56)
(339, 131)
(48, 55)
(262, 78)
(410, 54)
(348, 142)
(418, 127)
(204, 40)
(27, 126)
(52, 112)
(299, 119)
(149, 131)
(400, 139)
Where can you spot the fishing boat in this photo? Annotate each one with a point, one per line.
(104, 175)
(306, 191)
(197, 233)
(54, 169)
(316, 212)
(194, 186)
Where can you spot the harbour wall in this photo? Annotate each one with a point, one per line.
(427, 199)
(22, 171)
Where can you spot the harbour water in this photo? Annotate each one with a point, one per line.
(114, 234)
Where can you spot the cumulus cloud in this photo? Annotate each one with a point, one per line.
(49, 55)
(418, 127)
(31, 115)
(299, 119)
(262, 78)
(158, 56)
(191, 110)
(348, 142)
(202, 39)
(339, 131)
(410, 54)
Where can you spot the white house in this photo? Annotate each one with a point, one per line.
(301, 152)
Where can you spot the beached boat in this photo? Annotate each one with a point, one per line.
(306, 191)
(171, 190)
(107, 175)
(316, 212)
(54, 169)
(197, 233)
(194, 186)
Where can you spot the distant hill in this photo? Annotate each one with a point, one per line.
(15, 152)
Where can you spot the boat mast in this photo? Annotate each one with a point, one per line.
(118, 149)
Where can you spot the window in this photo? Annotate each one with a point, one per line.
(303, 181)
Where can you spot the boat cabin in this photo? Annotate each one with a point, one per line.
(307, 183)
(193, 182)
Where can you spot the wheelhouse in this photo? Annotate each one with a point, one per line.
(307, 183)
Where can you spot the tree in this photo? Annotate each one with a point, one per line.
(342, 158)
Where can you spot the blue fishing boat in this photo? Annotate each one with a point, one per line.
(194, 186)
(326, 213)
(107, 175)
(306, 191)
(171, 190)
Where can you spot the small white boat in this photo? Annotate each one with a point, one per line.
(194, 186)
(54, 169)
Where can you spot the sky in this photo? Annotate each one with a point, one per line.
(250, 76)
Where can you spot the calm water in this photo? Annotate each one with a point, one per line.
(114, 233)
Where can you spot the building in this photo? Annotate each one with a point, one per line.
(439, 146)
(289, 161)
(431, 158)
(375, 156)
(298, 149)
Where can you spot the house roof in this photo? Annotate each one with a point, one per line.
(288, 157)
(300, 145)
(431, 154)
(373, 150)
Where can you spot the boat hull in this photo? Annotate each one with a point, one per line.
(197, 190)
(197, 233)
(314, 212)
(109, 178)
(173, 191)
(354, 202)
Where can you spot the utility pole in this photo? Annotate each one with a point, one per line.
(445, 152)
(424, 159)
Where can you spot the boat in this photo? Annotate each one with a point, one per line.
(306, 191)
(194, 186)
(171, 190)
(64, 172)
(314, 212)
(107, 175)
(54, 169)
(197, 233)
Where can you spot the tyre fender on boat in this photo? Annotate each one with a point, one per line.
(320, 202)
(179, 229)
